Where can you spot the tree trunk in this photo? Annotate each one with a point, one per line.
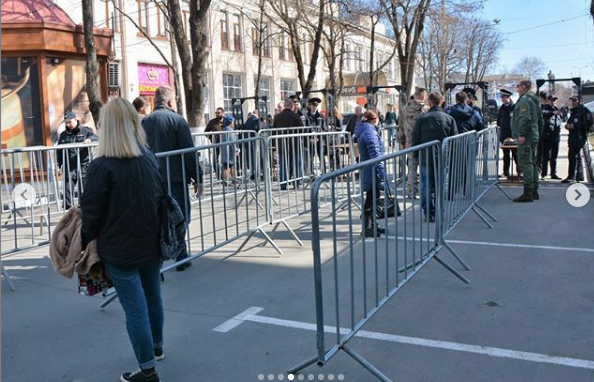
(177, 26)
(200, 48)
(92, 67)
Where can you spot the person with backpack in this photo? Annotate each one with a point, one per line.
(120, 210)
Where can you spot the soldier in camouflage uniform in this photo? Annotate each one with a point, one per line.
(408, 116)
(527, 124)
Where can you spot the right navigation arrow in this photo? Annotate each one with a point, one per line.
(579, 194)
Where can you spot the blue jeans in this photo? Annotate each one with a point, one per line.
(427, 183)
(181, 194)
(139, 291)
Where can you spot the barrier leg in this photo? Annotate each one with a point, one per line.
(372, 369)
(462, 262)
(452, 270)
(485, 211)
(108, 301)
(7, 278)
(297, 368)
(268, 239)
(481, 216)
(503, 191)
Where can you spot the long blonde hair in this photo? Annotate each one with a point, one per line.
(121, 135)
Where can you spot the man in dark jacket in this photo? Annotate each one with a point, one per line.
(504, 122)
(252, 124)
(467, 118)
(551, 135)
(166, 131)
(69, 160)
(434, 125)
(579, 123)
(290, 159)
(213, 126)
(355, 119)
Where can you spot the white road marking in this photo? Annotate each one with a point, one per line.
(237, 320)
(250, 315)
(507, 245)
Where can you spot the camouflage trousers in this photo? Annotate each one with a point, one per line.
(527, 161)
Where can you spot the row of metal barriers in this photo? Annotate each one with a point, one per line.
(257, 184)
(355, 277)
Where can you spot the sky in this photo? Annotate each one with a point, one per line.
(565, 44)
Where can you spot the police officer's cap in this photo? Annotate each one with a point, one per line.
(69, 116)
(294, 97)
(469, 91)
(505, 92)
(314, 100)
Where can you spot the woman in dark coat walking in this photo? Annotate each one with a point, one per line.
(371, 146)
(120, 209)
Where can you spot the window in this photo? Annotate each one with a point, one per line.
(261, 38)
(224, 31)
(282, 47)
(264, 90)
(206, 94)
(266, 42)
(237, 33)
(113, 74)
(143, 19)
(255, 42)
(287, 88)
(346, 56)
(231, 89)
(160, 22)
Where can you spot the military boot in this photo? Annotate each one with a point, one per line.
(535, 195)
(525, 197)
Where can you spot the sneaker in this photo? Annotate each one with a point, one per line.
(159, 354)
(140, 376)
(380, 230)
(555, 176)
(567, 180)
(370, 232)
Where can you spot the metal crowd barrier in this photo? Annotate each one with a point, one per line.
(358, 268)
(54, 187)
(230, 206)
(389, 134)
(38, 167)
(295, 160)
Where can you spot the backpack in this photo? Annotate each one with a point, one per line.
(173, 228)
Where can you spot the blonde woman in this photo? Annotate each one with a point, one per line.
(120, 209)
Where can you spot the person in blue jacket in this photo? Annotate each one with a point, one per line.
(371, 146)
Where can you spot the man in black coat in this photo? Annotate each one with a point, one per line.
(69, 160)
(252, 124)
(551, 136)
(289, 153)
(504, 122)
(167, 131)
(431, 126)
(579, 123)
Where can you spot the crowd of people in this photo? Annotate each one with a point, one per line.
(126, 183)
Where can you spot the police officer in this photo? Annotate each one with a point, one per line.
(526, 125)
(578, 124)
(69, 160)
(504, 116)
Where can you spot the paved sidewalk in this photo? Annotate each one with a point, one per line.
(531, 297)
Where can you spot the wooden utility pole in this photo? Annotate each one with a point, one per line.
(92, 67)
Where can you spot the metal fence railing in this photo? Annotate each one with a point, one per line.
(360, 262)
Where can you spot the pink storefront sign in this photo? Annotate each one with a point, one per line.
(150, 77)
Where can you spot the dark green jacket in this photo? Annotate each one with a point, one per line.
(527, 119)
